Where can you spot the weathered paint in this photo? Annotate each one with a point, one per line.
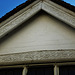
(42, 33)
(44, 56)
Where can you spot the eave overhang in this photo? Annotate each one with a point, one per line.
(23, 15)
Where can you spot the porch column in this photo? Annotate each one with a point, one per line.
(24, 71)
(56, 70)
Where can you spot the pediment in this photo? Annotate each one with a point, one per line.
(48, 6)
(41, 32)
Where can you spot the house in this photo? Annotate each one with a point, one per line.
(38, 38)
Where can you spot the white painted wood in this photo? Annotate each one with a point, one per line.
(24, 71)
(56, 70)
(48, 6)
(43, 56)
(43, 33)
(19, 13)
(22, 17)
(59, 12)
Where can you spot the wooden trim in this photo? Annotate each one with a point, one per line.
(48, 6)
(45, 56)
(19, 18)
(59, 12)
(56, 70)
(24, 71)
(38, 64)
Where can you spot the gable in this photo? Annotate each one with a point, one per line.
(23, 15)
(41, 32)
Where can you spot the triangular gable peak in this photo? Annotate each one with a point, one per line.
(41, 32)
(37, 36)
(23, 15)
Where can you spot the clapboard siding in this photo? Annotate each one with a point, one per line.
(42, 32)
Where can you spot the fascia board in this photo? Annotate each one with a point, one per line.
(21, 17)
(18, 13)
(48, 6)
(44, 56)
(59, 12)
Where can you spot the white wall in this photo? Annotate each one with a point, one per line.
(43, 33)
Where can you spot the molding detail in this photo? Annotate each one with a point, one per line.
(59, 12)
(24, 16)
(48, 6)
(44, 56)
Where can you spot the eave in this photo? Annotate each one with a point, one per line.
(23, 15)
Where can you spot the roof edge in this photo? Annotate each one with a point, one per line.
(20, 7)
(15, 10)
(59, 12)
(65, 4)
(50, 7)
(20, 17)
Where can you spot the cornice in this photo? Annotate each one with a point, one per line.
(44, 56)
(48, 6)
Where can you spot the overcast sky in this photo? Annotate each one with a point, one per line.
(8, 5)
